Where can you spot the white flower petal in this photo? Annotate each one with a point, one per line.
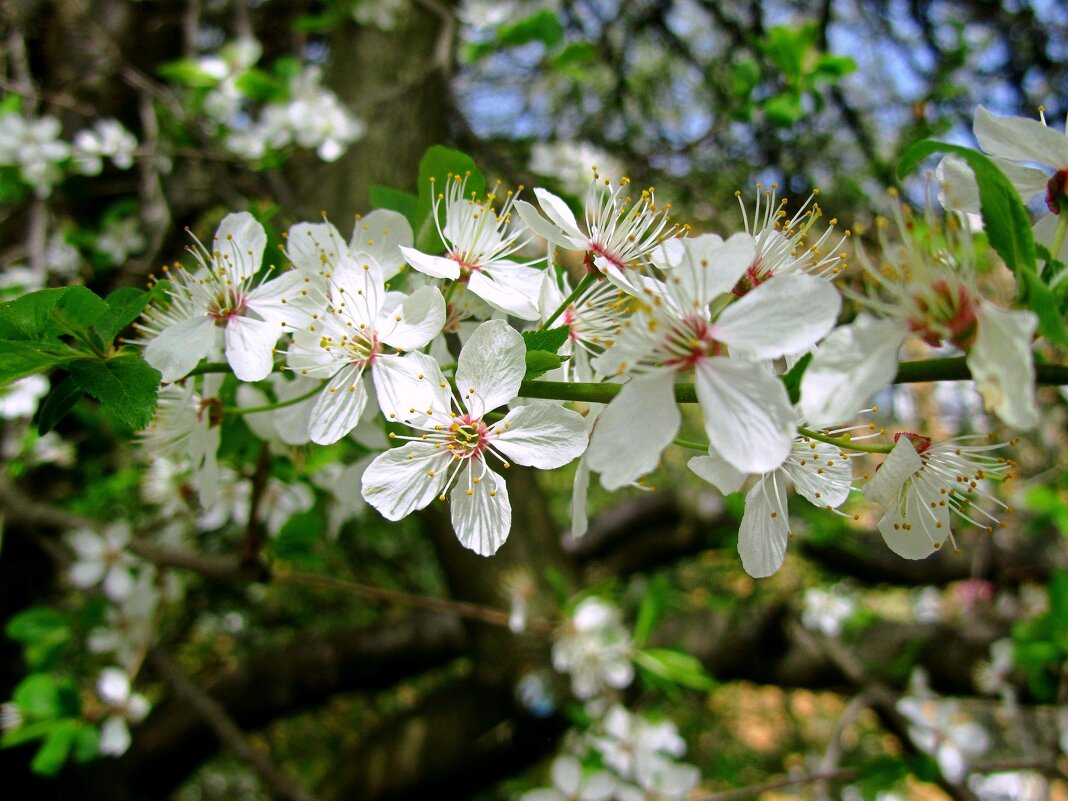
(338, 407)
(567, 774)
(179, 348)
(891, 475)
(491, 367)
(114, 737)
(87, 574)
(851, 365)
(558, 212)
(542, 227)
(283, 299)
(358, 286)
(113, 686)
(634, 429)
(315, 247)
(1020, 139)
(240, 242)
(541, 435)
(483, 518)
(765, 527)
(381, 234)
(421, 318)
(409, 386)
(1045, 231)
(404, 479)
(915, 525)
(1002, 364)
(718, 472)
(250, 347)
(787, 314)
(118, 583)
(434, 266)
(709, 267)
(748, 416)
(825, 481)
(512, 288)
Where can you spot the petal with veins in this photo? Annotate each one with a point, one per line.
(481, 513)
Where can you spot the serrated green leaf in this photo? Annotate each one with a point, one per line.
(677, 667)
(26, 358)
(441, 164)
(386, 197)
(58, 404)
(126, 386)
(124, 306)
(550, 340)
(540, 362)
(33, 316)
(56, 748)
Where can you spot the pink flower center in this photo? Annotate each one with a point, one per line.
(468, 437)
(691, 341)
(756, 275)
(228, 306)
(603, 252)
(945, 313)
(466, 268)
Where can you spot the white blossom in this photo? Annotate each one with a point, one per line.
(102, 558)
(594, 648)
(455, 440)
(125, 707)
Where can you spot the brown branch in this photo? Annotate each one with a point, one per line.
(755, 790)
(445, 606)
(214, 715)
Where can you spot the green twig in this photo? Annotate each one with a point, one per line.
(576, 293)
(843, 442)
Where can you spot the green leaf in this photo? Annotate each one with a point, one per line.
(1007, 225)
(784, 110)
(47, 313)
(540, 362)
(576, 55)
(125, 385)
(26, 358)
(834, 67)
(675, 666)
(745, 77)
(1041, 300)
(42, 631)
(443, 165)
(654, 602)
(86, 744)
(124, 306)
(258, 85)
(187, 72)
(56, 748)
(544, 27)
(58, 404)
(792, 379)
(38, 698)
(550, 340)
(386, 197)
(297, 540)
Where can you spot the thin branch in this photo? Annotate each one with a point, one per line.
(213, 713)
(755, 790)
(463, 609)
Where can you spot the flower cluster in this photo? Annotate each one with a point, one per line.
(35, 148)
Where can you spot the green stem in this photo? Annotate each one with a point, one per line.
(697, 446)
(209, 367)
(843, 442)
(1058, 237)
(581, 287)
(270, 407)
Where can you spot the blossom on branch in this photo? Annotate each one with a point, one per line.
(453, 441)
